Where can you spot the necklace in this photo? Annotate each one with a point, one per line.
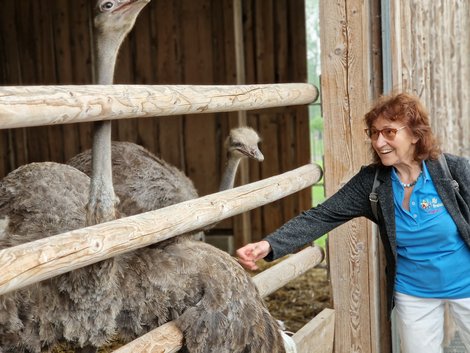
(409, 185)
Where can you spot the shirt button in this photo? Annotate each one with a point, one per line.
(415, 216)
(413, 203)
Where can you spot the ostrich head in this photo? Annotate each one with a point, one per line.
(243, 142)
(113, 21)
(117, 15)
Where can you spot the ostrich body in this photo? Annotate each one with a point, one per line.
(209, 295)
(144, 182)
(38, 200)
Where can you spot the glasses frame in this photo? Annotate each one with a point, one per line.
(380, 132)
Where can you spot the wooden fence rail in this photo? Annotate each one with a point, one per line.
(35, 261)
(22, 106)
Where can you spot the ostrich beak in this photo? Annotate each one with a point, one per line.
(254, 153)
(257, 154)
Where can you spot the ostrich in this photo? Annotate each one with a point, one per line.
(212, 299)
(201, 287)
(43, 199)
(153, 183)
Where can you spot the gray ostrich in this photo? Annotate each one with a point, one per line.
(201, 287)
(212, 299)
(153, 183)
(44, 199)
(194, 282)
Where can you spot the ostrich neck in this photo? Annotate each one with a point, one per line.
(101, 189)
(228, 178)
(106, 51)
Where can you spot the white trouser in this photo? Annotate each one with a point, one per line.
(420, 322)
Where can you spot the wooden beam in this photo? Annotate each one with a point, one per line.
(242, 223)
(22, 106)
(279, 275)
(169, 337)
(45, 258)
(317, 336)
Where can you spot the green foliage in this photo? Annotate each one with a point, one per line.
(316, 120)
(316, 123)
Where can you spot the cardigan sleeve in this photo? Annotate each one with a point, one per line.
(350, 201)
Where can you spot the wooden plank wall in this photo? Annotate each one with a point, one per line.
(173, 42)
(432, 60)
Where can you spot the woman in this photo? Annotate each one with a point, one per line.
(423, 221)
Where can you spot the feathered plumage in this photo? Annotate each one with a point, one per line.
(39, 200)
(212, 298)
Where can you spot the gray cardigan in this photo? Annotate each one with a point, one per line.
(352, 201)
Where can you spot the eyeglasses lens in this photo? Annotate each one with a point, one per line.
(387, 133)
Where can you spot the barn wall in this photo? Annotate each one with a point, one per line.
(173, 42)
(431, 58)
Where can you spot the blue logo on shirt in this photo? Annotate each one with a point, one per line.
(433, 206)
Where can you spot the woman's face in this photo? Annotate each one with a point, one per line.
(395, 145)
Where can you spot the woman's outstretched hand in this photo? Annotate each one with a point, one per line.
(250, 253)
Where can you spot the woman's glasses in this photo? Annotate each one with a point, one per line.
(388, 133)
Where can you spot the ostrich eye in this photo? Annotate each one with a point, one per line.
(108, 5)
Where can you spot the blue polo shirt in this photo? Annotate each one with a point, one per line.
(433, 260)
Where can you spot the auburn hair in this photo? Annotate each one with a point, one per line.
(408, 109)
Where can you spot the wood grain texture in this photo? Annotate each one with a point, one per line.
(50, 105)
(346, 96)
(317, 336)
(32, 262)
(279, 275)
(166, 339)
(431, 60)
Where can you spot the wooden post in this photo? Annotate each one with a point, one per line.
(45, 258)
(242, 223)
(347, 86)
(22, 106)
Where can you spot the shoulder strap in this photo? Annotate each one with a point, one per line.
(373, 198)
(443, 162)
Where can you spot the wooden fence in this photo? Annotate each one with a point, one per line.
(35, 261)
(191, 42)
